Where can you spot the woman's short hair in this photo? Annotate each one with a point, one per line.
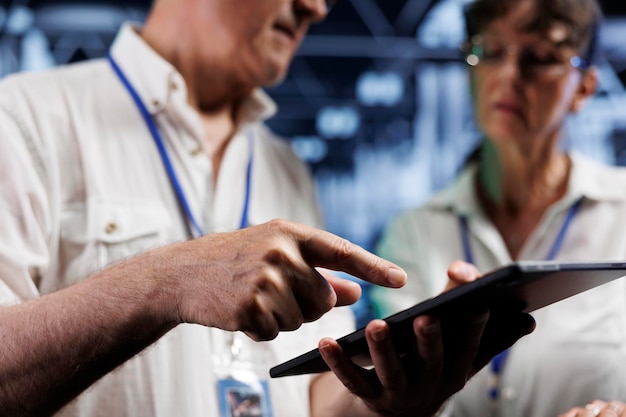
(581, 18)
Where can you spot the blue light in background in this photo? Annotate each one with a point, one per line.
(311, 149)
(338, 122)
(35, 52)
(380, 89)
(19, 20)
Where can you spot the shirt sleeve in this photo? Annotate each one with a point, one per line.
(24, 213)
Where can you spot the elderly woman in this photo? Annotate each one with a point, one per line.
(525, 198)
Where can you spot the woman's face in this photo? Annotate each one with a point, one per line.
(525, 85)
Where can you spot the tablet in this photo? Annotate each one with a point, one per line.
(519, 287)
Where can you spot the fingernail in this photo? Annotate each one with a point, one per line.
(379, 335)
(396, 277)
(431, 329)
(465, 272)
(327, 354)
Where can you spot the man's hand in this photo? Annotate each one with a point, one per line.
(260, 280)
(263, 279)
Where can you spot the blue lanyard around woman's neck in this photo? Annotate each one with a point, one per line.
(498, 362)
(167, 164)
(556, 246)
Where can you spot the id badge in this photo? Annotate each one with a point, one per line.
(244, 398)
(240, 389)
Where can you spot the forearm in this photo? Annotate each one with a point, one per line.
(259, 280)
(54, 347)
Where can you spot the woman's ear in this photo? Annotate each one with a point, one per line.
(586, 88)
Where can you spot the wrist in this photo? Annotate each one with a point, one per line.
(145, 287)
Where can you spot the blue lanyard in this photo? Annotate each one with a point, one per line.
(556, 246)
(498, 362)
(167, 163)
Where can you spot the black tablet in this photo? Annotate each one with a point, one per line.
(519, 287)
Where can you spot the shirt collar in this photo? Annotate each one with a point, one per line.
(595, 181)
(157, 81)
(589, 179)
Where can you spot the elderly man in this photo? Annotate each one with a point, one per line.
(152, 174)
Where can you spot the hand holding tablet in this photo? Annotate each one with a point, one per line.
(508, 293)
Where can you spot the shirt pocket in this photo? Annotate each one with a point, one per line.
(101, 233)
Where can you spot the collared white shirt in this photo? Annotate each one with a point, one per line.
(82, 185)
(578, 351)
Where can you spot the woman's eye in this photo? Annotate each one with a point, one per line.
(492, 52)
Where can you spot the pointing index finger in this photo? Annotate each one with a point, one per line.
(323, 249)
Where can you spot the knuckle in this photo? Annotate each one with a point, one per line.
(374, 267)
(267, 281)
(310, 310)
(241, 322)
(293, 323)
(275, 255)
(269, 334)
(275, 223)
(345, 249)
(261, 330)
(316, 307)
(249, 312)
(352, 387)
(280, 225)
(313, 314)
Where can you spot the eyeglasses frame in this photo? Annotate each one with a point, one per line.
(473, 59)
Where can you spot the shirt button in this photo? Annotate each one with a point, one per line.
(110, 228)
(156, 103)
(173, 86)
(197, 151)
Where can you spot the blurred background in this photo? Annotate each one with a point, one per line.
(376, 101)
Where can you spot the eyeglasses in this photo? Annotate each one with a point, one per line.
(541, 61)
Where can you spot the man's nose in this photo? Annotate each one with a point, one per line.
(313, 10)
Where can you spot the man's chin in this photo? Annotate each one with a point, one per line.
(274, 75)
(276, 81)
(274, 68)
